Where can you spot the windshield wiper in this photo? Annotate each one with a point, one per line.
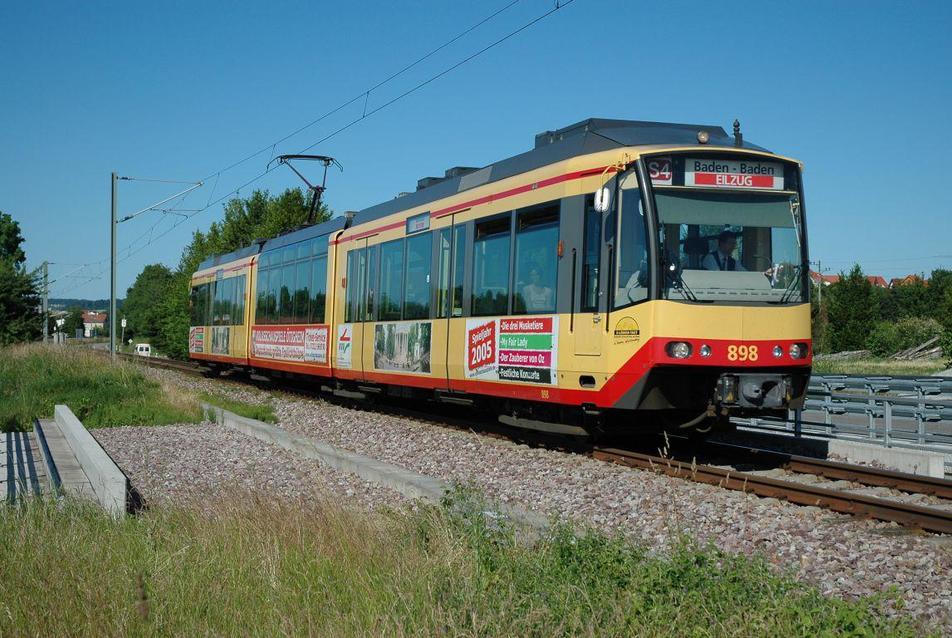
(792, 287)
(674, 272)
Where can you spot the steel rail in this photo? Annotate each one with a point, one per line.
(866, 475)
(925, 518)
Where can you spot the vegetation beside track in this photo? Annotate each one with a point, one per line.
(246, 566)
(259, 411)
(34, 378)
(879, 367)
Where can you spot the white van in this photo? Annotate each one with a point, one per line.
(143, 350)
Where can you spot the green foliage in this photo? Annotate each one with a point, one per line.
(236, 565)
(141, 310)
(889, 337)
(852, 310)
(11, 241)
(158, 303)
(73, 322)
(34, 378)
(259, 411)
(20, 318)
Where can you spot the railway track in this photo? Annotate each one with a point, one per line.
(929, 519)
(907, 514)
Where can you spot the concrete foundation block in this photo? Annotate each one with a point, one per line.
(919, 462)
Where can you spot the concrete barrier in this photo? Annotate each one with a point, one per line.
(109, 484)
(410, 484)
(919, 462)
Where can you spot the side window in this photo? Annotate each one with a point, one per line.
(274, 294)
(261, 298)
(318, 289)
(417, 287)
(631, 279)
(459, 258)
(391, 280)
(370, 293)
(239, 315)
(217, 289)
(350, 305)
(360, 291)
(444, 246)
(288, 276)
(591, 256)
(302, 295)
(537, 259)
(491, 267)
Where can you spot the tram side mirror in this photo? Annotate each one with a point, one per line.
(603, 199)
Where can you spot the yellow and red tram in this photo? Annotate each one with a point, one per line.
(619, 274)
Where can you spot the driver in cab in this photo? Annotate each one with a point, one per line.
(723, 257)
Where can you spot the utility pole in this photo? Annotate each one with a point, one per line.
(112, 268)
(46, 302)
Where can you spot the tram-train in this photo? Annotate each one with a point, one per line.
(620, 275)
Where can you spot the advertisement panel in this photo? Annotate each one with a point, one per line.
(513, 349)
(220, 336)
(345, 345)
(306, 343)
(403, 346)
(196, 339)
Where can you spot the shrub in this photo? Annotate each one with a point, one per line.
(887, 337)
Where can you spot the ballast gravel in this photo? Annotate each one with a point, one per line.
(843, 556)
(206, 461)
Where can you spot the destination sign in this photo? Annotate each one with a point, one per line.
(719, 173)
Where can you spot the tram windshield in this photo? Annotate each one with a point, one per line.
(731, 246)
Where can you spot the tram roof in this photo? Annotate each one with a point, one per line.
(588, 136)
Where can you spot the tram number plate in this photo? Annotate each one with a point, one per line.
(742, 353)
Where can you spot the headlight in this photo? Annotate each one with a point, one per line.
(705, 350)
(679, 349)
(778, 351)
(798, 350)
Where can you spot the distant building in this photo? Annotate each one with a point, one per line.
(826, 280)
(908, 280)
(93, 322)
(877, 281)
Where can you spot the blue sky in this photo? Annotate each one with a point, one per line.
(859, 91)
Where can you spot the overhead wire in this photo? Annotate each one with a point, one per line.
(366, 114)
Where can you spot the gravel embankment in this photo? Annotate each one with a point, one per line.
(203, 462)
(843, 556)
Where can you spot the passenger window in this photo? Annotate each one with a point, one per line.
(491, 267)
(239, 316)
(444, 250)
(391, 280)
(537, 260)
(350, 287)
(286, 309)
(459, 257)
(591, 256)
(302, 295)
(318, 289)
(370, 294)
(417, 289)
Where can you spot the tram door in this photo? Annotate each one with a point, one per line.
(451, 259)
(588, 328)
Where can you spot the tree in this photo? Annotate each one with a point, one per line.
(246, 220)
(73, 321)
(852, 310)
(142, 308)
(20, 317)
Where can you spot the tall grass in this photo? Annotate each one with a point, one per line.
(880, 367)
(34, 378)
(257, 567)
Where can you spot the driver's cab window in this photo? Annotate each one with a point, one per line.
(631, 246)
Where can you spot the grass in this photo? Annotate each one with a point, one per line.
(259, 411)
(34, 378)
(880, 367)
(258, 567)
